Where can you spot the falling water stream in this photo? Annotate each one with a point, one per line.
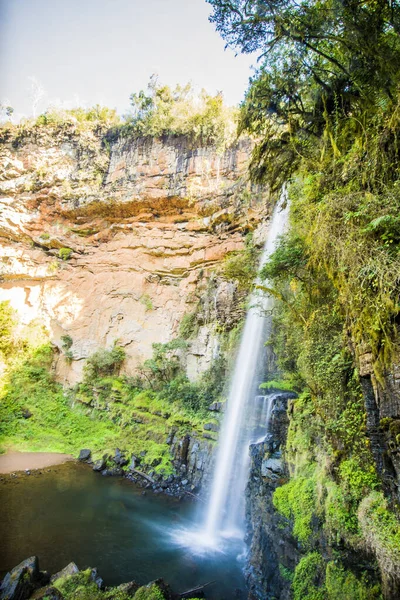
(225, 510)
(245, 422)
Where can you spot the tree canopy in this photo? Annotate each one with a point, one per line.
(319, 60)
(162, 110)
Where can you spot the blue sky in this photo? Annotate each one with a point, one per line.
(100, 51)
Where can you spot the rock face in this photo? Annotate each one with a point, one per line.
(192, 460)
(270, 546)
(19, 583)
(26, 582)
(382, 403)
(113, 239)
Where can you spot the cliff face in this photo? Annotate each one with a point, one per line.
(140, 224)
(382, 404)
(273, 549)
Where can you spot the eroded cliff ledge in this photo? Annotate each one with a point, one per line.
(140, 223)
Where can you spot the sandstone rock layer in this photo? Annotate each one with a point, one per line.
(146, 221)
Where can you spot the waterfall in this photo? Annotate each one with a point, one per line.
(244, 409)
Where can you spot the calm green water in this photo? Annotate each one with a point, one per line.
(69, 513)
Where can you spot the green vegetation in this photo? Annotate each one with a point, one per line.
(381, 530)
(316, 580)
(147, 302)
(7, 325)
(308, 576)
(54, 426)
(78, 121)
(84, 117)
(158, 111)
(242, 265)
(296, 500)
(277, 384)
(65, 253)
(188, 325)
(161, 110)
(82, 587)
(104, 363)
(324, 107)
(106, 410)
(285, 573)
(344, 585)
(149, 592)
(66, 344)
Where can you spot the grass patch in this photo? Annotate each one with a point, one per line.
(105, 410)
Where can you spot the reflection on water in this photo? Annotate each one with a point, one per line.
(69, 513)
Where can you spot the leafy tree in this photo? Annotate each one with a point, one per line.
(165, 363)
(104, 362)
(320, 62)
(161, 110)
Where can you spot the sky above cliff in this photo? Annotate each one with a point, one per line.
(100, 51)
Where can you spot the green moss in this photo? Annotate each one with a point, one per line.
(381, 530)
(277, 384)
(81, 587)
(341, 520)
(309, 575)
(286, 573)
(356, 479)
(65, 253)
(78, 587)
(149, 592)
(296, 501)
(344, 585)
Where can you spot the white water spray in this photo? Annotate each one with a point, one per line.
(226, 501)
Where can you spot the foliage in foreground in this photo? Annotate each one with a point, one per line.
(82, 587)
(315, 580)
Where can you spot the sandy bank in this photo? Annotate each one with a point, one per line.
(21, 461)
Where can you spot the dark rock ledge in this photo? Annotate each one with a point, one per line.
(191, 458)
(27, 582)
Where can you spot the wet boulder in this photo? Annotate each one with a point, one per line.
(48, 593)
(135, 461)
(113, 472)
(19, 583)
(85, 455)
(119, 458)
(95, 577)
(272, 468)
(129, 589)
(154, 588)
(70, 569)
(99, 465)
